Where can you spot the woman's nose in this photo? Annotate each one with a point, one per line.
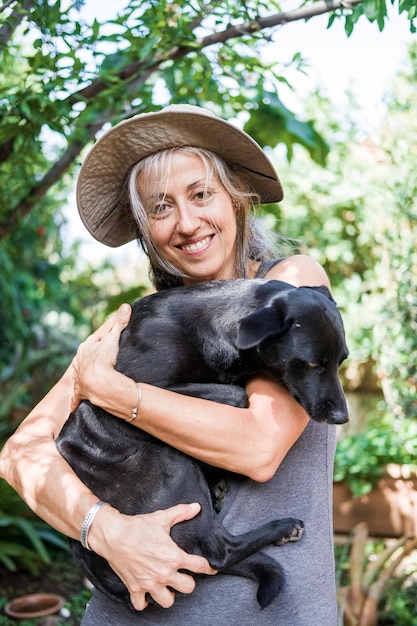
(188, 219)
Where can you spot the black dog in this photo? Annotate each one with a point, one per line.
(205, 340)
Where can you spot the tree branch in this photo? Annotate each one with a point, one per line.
(6, 5)
(247, 28)
(304, 13)
(13, 21)
(38, 191)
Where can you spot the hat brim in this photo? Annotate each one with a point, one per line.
(107, 164)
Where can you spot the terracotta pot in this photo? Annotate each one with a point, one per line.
(34, 605)
(390, 509)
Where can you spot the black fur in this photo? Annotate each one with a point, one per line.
(205, 340)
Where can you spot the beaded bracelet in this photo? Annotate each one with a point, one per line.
(136, 408)
(88, 520)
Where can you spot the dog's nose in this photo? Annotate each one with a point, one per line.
(329, 413)
(338, 417)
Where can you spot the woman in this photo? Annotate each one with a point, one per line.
(183, 181)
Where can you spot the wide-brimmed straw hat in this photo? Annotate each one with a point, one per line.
(107, 164)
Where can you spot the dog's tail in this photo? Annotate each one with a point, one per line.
(264, 570)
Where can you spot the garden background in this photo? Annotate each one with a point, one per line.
(67, 74)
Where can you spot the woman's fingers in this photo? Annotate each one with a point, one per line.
(180, 513)
(169, 575)
(99, 351)
(118, 321)
(143, 554)
(112, 328)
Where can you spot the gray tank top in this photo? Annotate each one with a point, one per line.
(301, 488)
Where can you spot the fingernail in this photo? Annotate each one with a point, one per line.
(195, 506)
(124, 310)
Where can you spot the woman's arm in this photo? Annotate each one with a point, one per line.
(30, 462)
(32, 466)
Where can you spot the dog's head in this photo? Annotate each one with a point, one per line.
(299, 337)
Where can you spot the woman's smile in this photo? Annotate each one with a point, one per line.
(196, 246)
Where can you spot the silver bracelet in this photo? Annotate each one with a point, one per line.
(89, 518)
(136, 408)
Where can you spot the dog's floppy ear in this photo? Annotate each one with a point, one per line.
(324, 290)
(258, 326)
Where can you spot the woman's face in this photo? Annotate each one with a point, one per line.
(192, 220)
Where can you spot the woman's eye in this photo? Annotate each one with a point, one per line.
(160, 211)
(203, 195)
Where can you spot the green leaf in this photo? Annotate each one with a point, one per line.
(32, 535)
(272, 123)
(371, 9)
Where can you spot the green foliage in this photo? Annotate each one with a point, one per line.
(23, 536)
(396, 331)
(272, 123)
(400, 604)
(46, 307)
(376, 11)
(362, 458)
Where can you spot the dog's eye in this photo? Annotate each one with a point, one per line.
(314, 365)
(302, 365)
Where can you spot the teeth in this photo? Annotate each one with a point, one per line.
(199, 245)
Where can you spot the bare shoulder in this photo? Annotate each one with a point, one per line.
(299, 270)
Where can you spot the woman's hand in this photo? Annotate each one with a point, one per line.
(95, 360)
(140, 550)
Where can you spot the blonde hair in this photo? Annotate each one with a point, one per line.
(251, 242)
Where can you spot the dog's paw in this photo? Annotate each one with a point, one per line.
(218, 494)
(295, 532)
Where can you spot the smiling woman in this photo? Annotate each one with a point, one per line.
(192, 206)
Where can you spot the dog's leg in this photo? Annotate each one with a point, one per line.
(234, 548)
(234, 395)
(238, 554)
